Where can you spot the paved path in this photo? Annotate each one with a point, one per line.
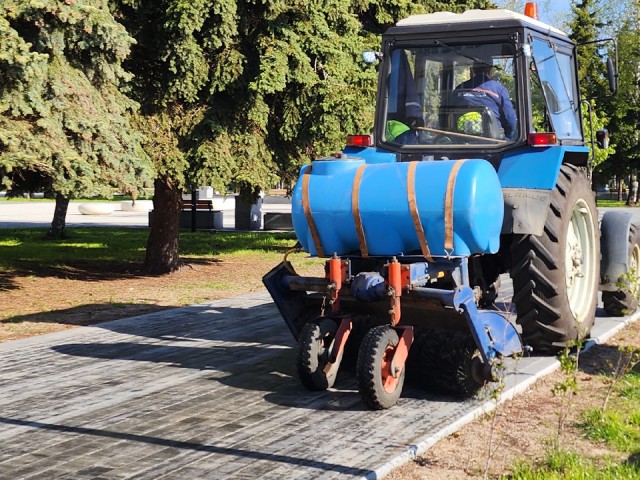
(207, 391)
(15, 214)
(39, 214)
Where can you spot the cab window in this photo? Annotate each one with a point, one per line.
(553, 69)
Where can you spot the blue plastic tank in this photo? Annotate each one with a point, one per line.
(387, 225)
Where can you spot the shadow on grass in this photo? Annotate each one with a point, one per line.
(87, 271)
(7, 282)
(88, 314)
(634, 459)
(601, 360)
(125, 244)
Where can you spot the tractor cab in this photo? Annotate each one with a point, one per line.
(478, 83)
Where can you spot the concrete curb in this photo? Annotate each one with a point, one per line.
(426, 443)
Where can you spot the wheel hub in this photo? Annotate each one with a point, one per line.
(389, 378)
(575, 261)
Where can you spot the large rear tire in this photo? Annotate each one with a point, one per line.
(625, 301)
(555, 275)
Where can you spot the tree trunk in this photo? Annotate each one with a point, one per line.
(248, 205)
(58, 224)
(620, 188)
(163, 254)
(632, 194)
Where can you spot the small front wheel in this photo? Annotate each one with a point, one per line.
(314, 347)
(378, 384)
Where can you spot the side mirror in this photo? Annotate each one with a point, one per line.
(611, 76)
(369, 56)
(602, 138)
(612, 65)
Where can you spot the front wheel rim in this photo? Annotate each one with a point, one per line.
(580, 261)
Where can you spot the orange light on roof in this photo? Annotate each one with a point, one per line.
(359, 141)
(531, 10)
(542, 139)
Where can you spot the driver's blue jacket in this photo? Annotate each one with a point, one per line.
(482, 91)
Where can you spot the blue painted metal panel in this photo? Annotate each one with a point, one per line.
(493, 333)
(371, 155)
(478, 207)
(533, 167)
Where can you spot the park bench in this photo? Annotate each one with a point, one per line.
(206, 217)
(277, 221)
(276, 213)
(201, 205)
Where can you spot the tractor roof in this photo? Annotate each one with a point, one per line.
(487, 19)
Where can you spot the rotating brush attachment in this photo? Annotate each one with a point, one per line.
(443, 361)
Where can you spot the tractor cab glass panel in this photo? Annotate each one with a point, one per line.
(451, 96)
(552, 72)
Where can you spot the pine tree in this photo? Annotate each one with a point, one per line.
(624, 108)
(241, 93)
(586, 26)
(62, 116)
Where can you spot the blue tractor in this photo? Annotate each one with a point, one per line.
(462, 180)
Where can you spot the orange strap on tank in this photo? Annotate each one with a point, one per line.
(306, 207)
(448, 207)
(355, 207)
(413, 208)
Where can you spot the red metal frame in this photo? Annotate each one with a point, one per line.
(337, 275)
(395, 359)
(342, 335)
(398, 278)
(402, 350)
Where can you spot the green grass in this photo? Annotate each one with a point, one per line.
(618, 428)
(22, 199)
(115, 198)
(610, 203)
(561, 465)
(630, 387)
(619, 425)
(128, 245)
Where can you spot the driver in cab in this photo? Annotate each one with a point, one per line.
(481, 90)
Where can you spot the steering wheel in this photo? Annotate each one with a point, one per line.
(442, 139)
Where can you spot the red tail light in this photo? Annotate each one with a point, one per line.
(359, 141)
(542, 139)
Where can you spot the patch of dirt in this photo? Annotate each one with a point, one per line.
(525, 426)
(36, 301)
(47, 300)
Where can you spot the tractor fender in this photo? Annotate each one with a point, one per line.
(528, 177)
(525, 210)
(614, 246)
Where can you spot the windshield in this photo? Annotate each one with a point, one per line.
(451, 95)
